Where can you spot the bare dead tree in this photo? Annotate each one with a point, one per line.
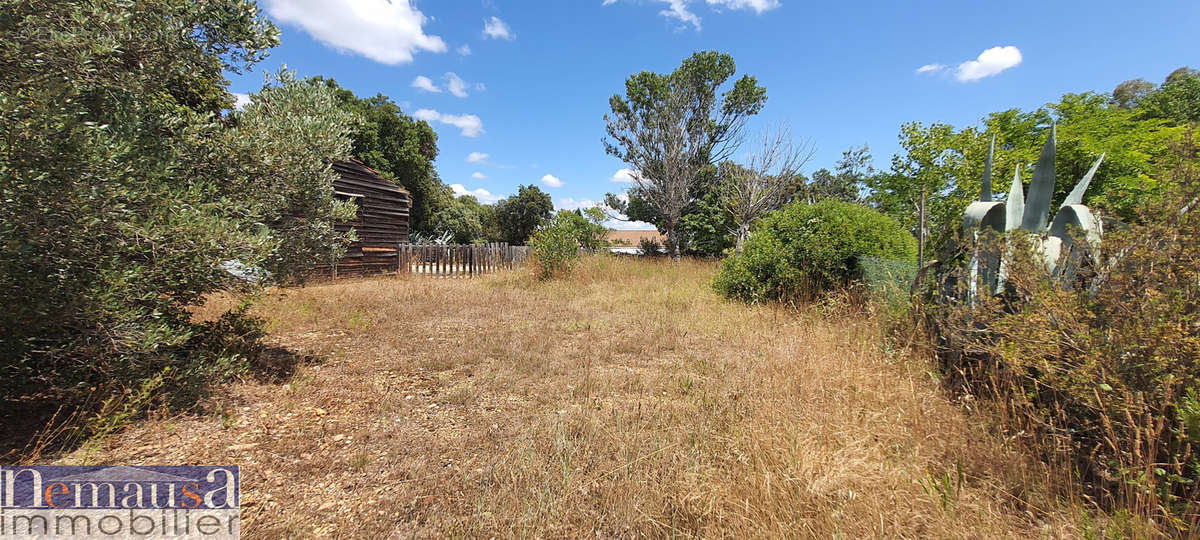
(764, 182)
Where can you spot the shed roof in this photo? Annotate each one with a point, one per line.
(355, 174)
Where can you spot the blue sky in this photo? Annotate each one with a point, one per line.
(532, 90)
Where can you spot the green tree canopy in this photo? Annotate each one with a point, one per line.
(1177, 100)
(1128, 94)
(402, 149)
(585, 225)
(947, 163)
(519, 215)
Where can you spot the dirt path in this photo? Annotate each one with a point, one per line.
(627, 401)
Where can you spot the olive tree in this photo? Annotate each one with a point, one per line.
(129, 191)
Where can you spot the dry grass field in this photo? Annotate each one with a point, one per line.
(625, 401)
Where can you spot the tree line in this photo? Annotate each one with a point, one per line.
(679, 131)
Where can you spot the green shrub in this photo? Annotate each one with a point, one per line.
(806, 249)
(587, 226)
(650, 246)
(1103, 376)
(130, 189)
(555, 248)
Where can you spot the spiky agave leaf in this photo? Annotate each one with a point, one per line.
(1076, 195)
(985, 193)
(1015, 205)
(1041, 189)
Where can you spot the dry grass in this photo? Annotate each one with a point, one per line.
(626, 401)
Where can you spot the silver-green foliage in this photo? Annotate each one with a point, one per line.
(126, 191)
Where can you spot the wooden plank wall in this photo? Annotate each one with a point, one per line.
(381, 223)
(459, 260)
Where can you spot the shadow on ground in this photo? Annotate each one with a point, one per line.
(37, 424)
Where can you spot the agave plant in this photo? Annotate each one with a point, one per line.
(1054, 239)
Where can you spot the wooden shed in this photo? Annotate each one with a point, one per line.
(381, 223)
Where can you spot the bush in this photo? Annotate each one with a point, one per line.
(587, 226)
(129, 191)
(650, 246)
(806, 249)
(1103, 376)
(555, 248)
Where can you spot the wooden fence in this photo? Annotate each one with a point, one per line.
(459, 260)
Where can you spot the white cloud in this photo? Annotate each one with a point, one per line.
(476, 157)
(478, 175)
(567, 203)
(990, 62)
(483, 195)
(624, 176)
(459, 87)
(456, 85)
(679, 9)
(240, 100)
(386, 31)
(758, 6)
(930, 68)
(497, 29)
(425, 83)
(465, 50)
(620, 221)
(629, 225)
(552, 181)
(469, 124)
